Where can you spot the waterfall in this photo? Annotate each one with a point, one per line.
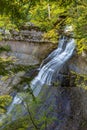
(16, 100)
(51, 66)
(55, 52)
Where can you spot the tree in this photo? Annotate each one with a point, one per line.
(47, 12)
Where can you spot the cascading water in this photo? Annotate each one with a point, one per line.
(51, 66)
(49, 69)
(16, 100)
(55, 52)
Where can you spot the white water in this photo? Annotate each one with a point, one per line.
(55, 52)
(51, 66)
(16, 100)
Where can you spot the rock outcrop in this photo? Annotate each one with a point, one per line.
(27, 44)
(29, 53)
(6, 85)
(78, 63)
(66, 102)
(73, 81)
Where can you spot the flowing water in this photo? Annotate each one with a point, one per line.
(51, 66)
(17, 100)
(49, 69)
(14, 111)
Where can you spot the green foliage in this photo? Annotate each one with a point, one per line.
(4, 48)
(39, 14)
(6, 23)
(69, 12)
(5, 62)
(13, 8)
(20, 124)
(32, 120)
(17, 10)
(81, 45)
(4, 101)
(80, 80)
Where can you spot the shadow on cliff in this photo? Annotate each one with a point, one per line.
(66, 106)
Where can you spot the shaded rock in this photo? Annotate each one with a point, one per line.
(62, 106)
(78, 63)
(17, 78)
(6, 85)
(68, 102)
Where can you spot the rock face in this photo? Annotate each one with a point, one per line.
(6, 85)
(29, 53)
(67, 103)
(27, 44)
(79, 63)
(28, 48)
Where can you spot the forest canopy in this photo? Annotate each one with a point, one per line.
(49, 15)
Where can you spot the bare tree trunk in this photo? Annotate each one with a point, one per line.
(49, 12)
